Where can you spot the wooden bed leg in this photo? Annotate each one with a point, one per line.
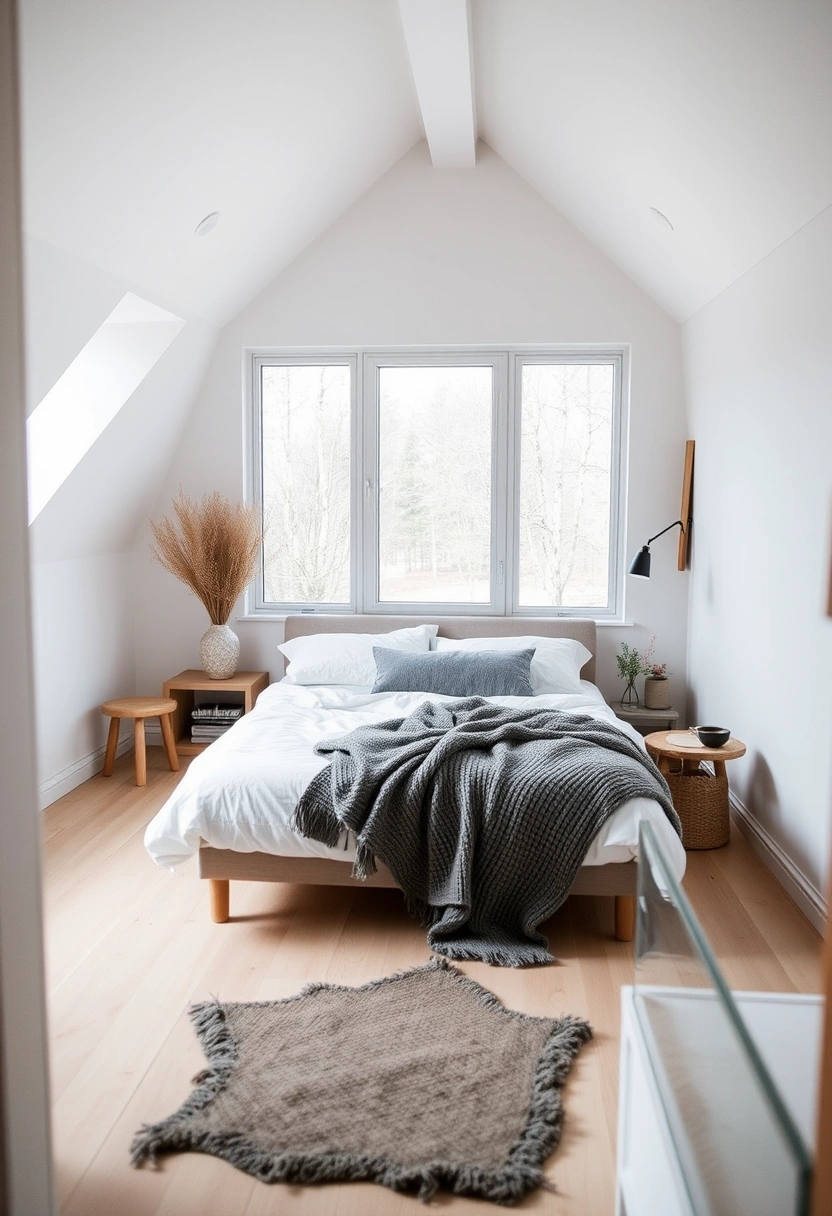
(218, 894)
(625, 917)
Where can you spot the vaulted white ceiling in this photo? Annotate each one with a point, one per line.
(716, 112)
(141, 118)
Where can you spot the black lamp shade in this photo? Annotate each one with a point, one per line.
(640, 566)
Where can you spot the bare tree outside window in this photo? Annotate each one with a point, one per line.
(565, 484)
(478, 477)
(435, 484)
(306, 483)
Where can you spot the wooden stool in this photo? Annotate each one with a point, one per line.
(139, 708)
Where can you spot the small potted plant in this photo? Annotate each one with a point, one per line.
(630, 667)
(656, 685)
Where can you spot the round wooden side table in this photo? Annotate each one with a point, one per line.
(139, 708)
(700, 798)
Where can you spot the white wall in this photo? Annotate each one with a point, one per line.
(81, 574)
(759, 366)
(440, 257)
(82, 620)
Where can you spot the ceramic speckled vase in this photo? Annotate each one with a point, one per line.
(219, 650)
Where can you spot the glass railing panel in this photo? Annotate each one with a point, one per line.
(738, 1148)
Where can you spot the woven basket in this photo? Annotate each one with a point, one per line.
(656, 693)
(701, 801)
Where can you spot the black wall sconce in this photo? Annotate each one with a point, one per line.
(640, 565)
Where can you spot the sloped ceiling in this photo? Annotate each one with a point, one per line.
(715, 112)
(108, 495)
(140, 118)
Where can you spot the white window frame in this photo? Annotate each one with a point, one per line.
(253, 474)
(519, 359)
(507, 364)
(373, 362)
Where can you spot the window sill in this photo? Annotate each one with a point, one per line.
(264, 616)
(272, 617)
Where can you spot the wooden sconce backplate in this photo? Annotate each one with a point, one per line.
(687, 504)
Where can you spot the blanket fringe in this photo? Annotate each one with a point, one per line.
(312, 817)
(495, 956)
(365, 861)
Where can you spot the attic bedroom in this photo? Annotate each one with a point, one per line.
(415, 761)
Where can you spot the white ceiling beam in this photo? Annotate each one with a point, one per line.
(439, 43)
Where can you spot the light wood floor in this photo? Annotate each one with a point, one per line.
(129, 947)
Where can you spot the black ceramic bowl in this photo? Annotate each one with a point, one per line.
(713, 736)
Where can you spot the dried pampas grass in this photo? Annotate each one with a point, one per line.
(211, 546)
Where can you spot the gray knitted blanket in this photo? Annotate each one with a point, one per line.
(483, 814)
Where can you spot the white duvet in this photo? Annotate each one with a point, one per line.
(241, 791)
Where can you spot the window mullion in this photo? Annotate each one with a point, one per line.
(500, 586)
(512, 485)
(356, 503)
(368, 485)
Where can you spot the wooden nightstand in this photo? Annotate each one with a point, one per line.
(700, 798)
(182, 688)
(646, 721)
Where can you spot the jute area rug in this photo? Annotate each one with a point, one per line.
(418, 1081)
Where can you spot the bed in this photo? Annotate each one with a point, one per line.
(234, 805)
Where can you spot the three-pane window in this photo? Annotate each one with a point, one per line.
(460, 481)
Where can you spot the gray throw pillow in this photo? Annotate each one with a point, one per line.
(455, 673)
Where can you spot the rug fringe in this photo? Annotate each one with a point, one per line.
(221, 1051)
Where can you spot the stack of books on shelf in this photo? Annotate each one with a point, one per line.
(208, 722)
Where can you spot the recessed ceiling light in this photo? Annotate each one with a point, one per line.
(659, 217)
(208, 224)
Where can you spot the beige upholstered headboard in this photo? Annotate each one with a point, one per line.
(454, 627)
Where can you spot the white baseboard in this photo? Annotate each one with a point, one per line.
(76, 774)
(804, 893)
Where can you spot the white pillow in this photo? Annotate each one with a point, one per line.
(557, 662)
(347, 658)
